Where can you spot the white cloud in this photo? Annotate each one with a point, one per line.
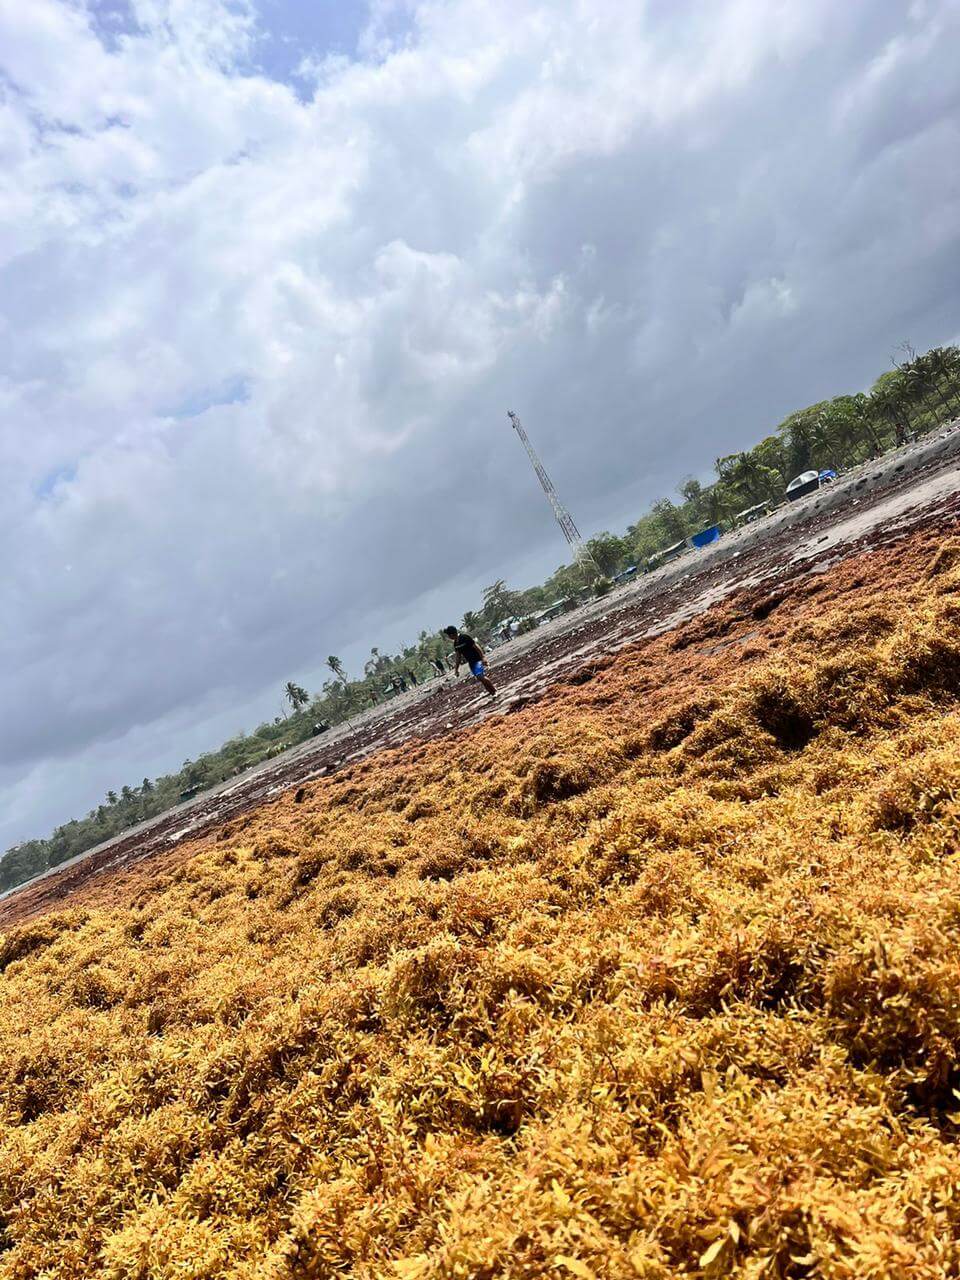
(256, 349)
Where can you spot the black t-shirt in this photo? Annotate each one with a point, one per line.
(466, 649)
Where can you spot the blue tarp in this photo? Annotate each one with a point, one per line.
(706, 536)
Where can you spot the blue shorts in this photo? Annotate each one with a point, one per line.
(478, 669)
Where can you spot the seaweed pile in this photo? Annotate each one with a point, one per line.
(658, 976)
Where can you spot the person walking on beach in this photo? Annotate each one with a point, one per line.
(466, 649)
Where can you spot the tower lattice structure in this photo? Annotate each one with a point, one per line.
(564, 519)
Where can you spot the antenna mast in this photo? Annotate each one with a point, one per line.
(564, 519)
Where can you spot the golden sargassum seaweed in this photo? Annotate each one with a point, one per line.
(657, 977)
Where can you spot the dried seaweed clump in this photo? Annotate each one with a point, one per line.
(657, 977)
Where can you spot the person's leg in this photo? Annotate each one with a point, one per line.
(480, 672)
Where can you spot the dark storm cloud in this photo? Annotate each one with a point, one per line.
(653, 234)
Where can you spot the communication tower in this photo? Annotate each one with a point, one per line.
(564, 519)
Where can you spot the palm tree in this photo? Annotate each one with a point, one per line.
(826, 437)
(769, 453)
(336, 666)
(745, 474)
(609, 553)
(798, 437)
(888, 397)
(917, 383)
(861, 420)
(297, 696)
(949, 362)
(499, 602)
(717, 503)
(671, 519)
(693, 494)
(942, 365)
(375, 662)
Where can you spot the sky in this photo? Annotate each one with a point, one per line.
(272, 272)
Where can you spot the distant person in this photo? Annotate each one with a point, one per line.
(412, 678)
(466, 649)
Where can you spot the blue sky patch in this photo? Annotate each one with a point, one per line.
(292, 30)
(235, 391)
(53, 479)
(111, 20)
(289, 32)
